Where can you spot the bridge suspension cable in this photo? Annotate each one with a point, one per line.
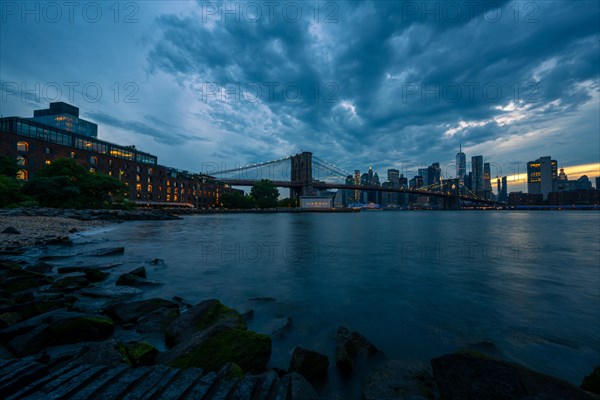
(250, 166)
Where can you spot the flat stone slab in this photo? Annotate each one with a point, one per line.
(26, 379)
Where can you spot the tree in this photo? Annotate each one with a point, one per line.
(66, 184)
(11, 194)
(236, 200)
(8, 167)
(287, 203)
(265, 194)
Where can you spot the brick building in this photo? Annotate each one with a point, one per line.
(33, 144)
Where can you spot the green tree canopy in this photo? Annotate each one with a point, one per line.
(265, 194)
(236, 200)
(8, 167)
(66, 184)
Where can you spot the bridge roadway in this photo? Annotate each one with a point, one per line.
(326, 186)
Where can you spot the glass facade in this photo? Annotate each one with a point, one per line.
(37, 130)
(69, 123)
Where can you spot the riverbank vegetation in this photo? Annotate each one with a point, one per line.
(61, 184)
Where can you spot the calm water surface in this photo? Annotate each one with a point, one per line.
(417, 284)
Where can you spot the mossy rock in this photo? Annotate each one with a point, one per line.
(80, 329)
(15, 279)
(9, 318)
(232, 371)
(138, 353)
(591, 383)
(206, 314)
(212, 349)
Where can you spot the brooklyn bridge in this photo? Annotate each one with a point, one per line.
(305, 174)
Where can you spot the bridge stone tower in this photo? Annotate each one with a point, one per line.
(302, 173)
(452, 186)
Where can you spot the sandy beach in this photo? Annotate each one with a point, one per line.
(40, 228)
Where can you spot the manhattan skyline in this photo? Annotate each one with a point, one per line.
(180, 79)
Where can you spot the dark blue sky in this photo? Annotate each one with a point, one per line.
(384, 83)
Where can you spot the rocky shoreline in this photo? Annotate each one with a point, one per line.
(63, 334)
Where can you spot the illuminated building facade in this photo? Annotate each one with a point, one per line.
(542, 175)
(34, 144)
(315, 202)
(66, 117)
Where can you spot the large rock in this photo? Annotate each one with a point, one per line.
(157, 320)
(62, 328)
(211, 348)
(139, 353)
(135, 278)
(14, 279)
(107, 353)
(111, 251)
(69, 284)
(398, 380)
(203, 315)
(40, 267)
(351, 349)
(310, 364)
(473, 376)
(591, 383)
(127, 312)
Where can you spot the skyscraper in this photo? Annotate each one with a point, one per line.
(542, 176)
(461, 164)
(393, 178)
(487, 181)
(477, 173)
(434, 173)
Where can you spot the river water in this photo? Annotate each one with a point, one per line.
(416, 284)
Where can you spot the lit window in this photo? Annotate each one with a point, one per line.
(22, 175)
(110, 162)
(168, 197)
(48, 150)
(149, 188)
(22, 146)
(168, 183)
(93, 160)
(138, 168)
(109, 173)
(73, 155)
(150, 171)
(138, 178)
(92, 170)
(21, 161)
(175, 198)
(48, 162)
(138, 187)
(149, 180)
(139, 195)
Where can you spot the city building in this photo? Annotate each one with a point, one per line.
(502, 189)
(565, 185)
(477, 174)
(524, 199)
(434, 173)
(393, 181)
(34, 144)
(542, 176)
(315, 202)
(598, 183)
(66, 117)
(461, 164)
